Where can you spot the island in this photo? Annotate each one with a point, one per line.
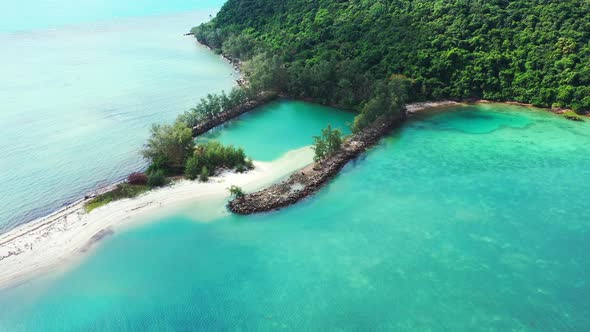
(379, 60)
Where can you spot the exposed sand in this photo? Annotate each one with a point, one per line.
(64, 236)
(417, 107)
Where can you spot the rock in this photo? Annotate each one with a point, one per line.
(225, 116)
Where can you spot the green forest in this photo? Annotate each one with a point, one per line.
(348, 53)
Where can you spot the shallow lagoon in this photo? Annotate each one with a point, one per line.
(469, 219)
(271, 130)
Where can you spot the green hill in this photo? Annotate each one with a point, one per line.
(340, 52)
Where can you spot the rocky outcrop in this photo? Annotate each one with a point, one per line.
(227, 115)
(308, 180)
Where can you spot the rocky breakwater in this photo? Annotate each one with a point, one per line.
(308, 180)
(224, 116)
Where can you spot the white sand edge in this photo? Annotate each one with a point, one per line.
(417, 107)
(66, 235)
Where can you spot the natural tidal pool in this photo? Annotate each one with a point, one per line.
(472, 218)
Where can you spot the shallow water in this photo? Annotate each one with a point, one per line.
(471, 219)
(82, 84)
(275, 128)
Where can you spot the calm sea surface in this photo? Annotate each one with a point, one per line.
(81, 84)
(471, 219)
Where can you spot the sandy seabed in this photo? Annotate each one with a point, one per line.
(68, 234)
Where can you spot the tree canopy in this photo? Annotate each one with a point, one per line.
(326, 144)
(168, 147)
(338, 52)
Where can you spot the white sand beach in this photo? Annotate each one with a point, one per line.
(66, 235)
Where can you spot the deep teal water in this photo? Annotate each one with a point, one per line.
(81, 85)
(269, 131)
(465, 220)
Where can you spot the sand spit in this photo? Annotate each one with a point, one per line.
(66, 235)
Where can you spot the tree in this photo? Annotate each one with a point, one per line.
(337, 52)
(240, 46)
(212, 105)
(327, 144)
(319, 146)
(236, 192)
(333, 139)
(169, 147)
(372, 109)
(266, 72)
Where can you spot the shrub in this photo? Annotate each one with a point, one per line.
(137, 178)
(191, 170)
(214, 155)
(156, 179)
(204, 174)
(249, 164)
(123, 190)
(157, 164)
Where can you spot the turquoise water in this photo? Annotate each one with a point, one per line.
(471, 219)
(81, 87)
(275, 128)
(42, 14)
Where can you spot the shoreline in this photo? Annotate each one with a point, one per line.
(86, 195)
(67, 235)
(19, 245)
(308, 180)
(419, 106)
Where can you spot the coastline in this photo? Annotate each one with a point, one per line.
(66, 236)
(45, 231)
(69, 223)
(421, 106)
(306, 181)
